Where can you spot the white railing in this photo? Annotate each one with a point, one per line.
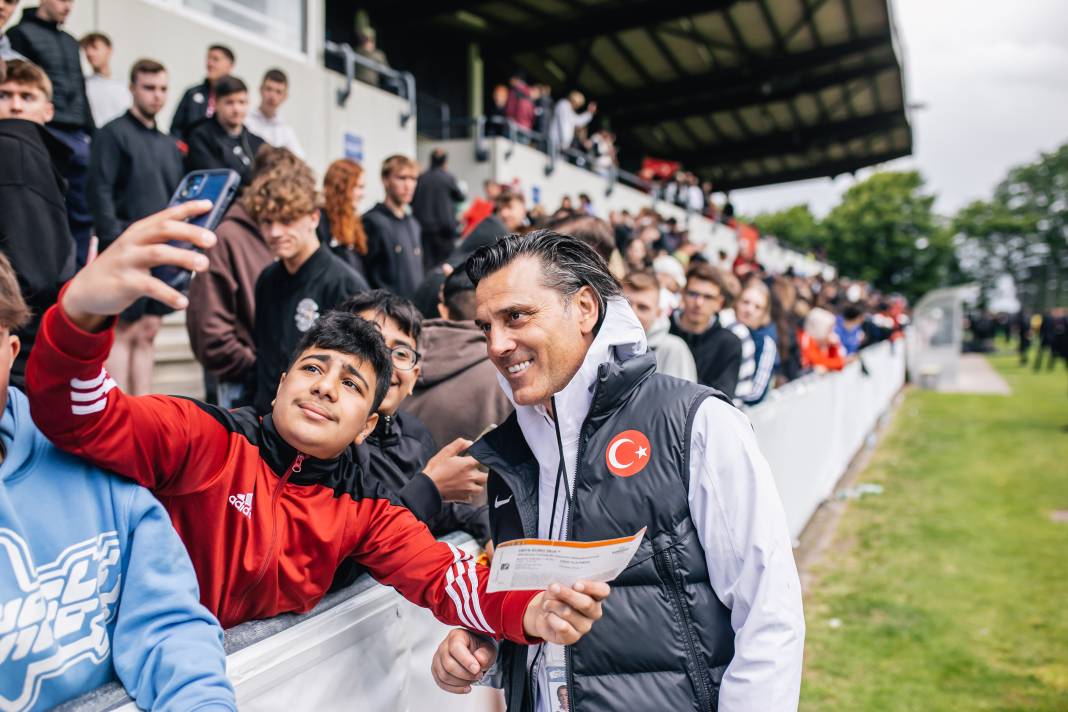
(811, 429)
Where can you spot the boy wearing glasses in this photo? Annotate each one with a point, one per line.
(716, 350)
(306, 280)
(438, 487)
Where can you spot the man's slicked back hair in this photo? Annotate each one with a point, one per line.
(388, 304)
(349, 334)
(568, 264)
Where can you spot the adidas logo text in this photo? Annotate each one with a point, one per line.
(242, 503)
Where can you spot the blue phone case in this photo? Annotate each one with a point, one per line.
(217, 185)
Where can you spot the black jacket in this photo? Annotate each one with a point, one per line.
(717, 353)
(397, 451)
(485, 233)
(399, 448)
(287, 305)
(665, 639)
(192, 110)
(394, 258)
(435, 199)
(57, 53)
(133, 171)
(210, 146)
(34, 233)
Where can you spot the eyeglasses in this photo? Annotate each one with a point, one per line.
(702, 296)
(404, 358)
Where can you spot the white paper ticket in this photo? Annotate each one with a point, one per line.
(534, 564)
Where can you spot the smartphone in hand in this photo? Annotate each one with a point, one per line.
(217, 185)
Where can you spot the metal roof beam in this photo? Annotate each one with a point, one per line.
(797, 141)
(821, 170)
(745, 94)
(608, 18)
(752, 73)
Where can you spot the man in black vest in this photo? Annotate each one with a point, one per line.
(708, 614)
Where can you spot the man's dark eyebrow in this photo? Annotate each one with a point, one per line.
(326, 358)
(517, 307)
(352, 370)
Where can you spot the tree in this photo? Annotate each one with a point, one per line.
(885, 232)
(795, 227)
(1022, 232)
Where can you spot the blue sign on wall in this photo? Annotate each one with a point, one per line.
(354, 147)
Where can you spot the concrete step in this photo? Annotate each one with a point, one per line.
(177, 371)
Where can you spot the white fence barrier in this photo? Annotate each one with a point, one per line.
(367, 648)
(811, 429)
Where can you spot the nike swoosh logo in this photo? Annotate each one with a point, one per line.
(498, 502)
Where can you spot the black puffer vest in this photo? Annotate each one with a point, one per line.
(665, 638)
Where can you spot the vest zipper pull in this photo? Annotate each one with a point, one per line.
(297, 463)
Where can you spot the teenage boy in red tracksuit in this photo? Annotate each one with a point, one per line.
(267, 508)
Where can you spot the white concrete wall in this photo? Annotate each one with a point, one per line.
(179, 38)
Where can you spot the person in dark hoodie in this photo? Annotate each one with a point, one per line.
(224, 142)
(394, 258)
(306, 281)
(222, 303)
(439, 487)
(39, 39)
(457, 375)
(198, 102)
(34, 232)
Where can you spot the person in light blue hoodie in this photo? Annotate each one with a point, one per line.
(94, 582)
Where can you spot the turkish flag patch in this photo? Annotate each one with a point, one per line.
(628, 453)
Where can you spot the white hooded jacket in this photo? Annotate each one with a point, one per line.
(735, 508)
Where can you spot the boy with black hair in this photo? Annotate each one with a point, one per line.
(268, 508)
(223, 141)
(95, 581)
(439, 488)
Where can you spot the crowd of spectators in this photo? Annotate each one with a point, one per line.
(290, 250)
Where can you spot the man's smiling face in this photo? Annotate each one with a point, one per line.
(323, 403)
(535, 337)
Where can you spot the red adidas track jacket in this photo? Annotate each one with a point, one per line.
(265, 527)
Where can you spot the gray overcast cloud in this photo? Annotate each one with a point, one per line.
(993, 79)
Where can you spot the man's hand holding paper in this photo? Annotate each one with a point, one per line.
(532, 564)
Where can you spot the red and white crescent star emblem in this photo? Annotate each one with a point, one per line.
(628, 453)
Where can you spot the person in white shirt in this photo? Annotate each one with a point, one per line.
(566, 119)
(108, 98)
(265, 121)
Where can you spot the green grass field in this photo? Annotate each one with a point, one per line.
(950, 591)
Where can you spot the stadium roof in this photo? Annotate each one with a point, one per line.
(742, 92)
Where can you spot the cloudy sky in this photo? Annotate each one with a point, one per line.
(993, 79)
